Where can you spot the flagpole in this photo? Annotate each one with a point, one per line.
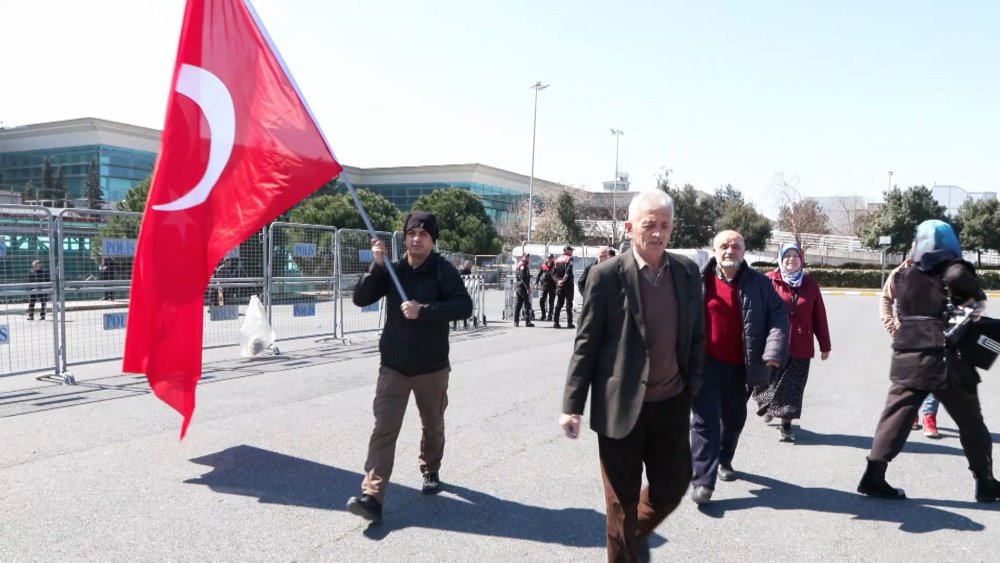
(343, 173)
(371, 233)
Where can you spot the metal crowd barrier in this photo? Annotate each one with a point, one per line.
(304, 274)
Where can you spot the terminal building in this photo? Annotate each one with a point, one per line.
(126, 154)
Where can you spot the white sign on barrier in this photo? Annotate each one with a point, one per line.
(365, 256)
(118, 247)
(224, 313)
(4, 334)
(114, 321)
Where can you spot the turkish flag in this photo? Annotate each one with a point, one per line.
(239, 148)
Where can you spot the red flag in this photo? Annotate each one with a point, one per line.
(239, 148)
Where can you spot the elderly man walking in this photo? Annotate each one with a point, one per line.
(746, 336)
(639, 352)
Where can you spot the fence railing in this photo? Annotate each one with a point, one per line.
(65, 282)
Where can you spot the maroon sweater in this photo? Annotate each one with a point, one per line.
(723, 320)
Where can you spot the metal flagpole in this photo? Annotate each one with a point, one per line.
(387, 261)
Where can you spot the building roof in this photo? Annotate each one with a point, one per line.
(78, 132)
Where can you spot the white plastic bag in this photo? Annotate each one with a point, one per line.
(256, 334)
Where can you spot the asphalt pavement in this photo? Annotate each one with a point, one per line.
(95, 471)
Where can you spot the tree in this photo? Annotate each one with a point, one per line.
(567, 212)
(462, 221)
(135, 198)
(92, 187)
(804, 216)
(736, 214)
(796, 213)
(694, 215)
(48, 179)
(980, 222)
(339, 211)
(899, 217)
(59, 190)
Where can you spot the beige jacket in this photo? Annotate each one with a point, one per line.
(886, 309)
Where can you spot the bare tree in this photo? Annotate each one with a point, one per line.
(798, 214)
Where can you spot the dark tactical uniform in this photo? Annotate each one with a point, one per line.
(563, 272)
(548, 295)
(522, 291)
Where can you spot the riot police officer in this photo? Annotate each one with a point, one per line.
(562, 274)
(548, 285)
(522, 290)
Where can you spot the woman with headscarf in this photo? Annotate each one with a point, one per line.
(782, 398)
(924, 361)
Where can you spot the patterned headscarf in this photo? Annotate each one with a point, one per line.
(936, 243)
(793, 279)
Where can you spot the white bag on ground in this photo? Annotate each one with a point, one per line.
(256, 334)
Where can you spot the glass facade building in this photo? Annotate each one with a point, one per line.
(119, 169)
(499, 202)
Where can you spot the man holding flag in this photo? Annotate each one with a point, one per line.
(239, 147)
(414, 350)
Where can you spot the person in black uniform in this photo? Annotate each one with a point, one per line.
(924, 361)
(38, 274)
(562, 273)
(522, 286)
(548, 285)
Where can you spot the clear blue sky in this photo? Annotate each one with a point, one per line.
(835, 93)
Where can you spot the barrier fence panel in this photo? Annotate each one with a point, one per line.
(354, 256)
(237, 277)
(27, 344)
(302, 293)
(95, 265)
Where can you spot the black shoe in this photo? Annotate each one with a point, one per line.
(701, 495)
(366, 507)
(529, 324)
(570, 325)
(787, 435)
(987, 488)
(873, 482)
(556, 325)
(517, 324)
(31, 318)
(726, 472)
(642, 549)
(432, 485)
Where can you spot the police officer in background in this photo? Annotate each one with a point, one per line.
(548, 286)
(562, 274)
(522, 287)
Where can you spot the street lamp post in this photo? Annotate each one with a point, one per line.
(537, 86)
(890, 180)
(614, 195)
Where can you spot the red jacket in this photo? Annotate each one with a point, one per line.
(808, 317)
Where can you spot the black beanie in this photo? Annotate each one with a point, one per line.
(423, 220)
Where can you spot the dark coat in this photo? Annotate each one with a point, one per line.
(920, 357)
(765, 322)
(610, 356)
(421, 345)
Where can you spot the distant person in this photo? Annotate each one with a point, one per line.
(546, 301)
(562, 274)
(522, 290)
(603, 253)
(414, 355)
(782, 397)
(923, 360)
(38, 274)
(108, 272)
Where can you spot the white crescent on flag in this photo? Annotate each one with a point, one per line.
(212, 96)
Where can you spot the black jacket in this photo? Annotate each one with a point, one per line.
(418, 346)
(920, 358)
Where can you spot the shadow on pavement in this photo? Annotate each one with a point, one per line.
(916, 516)
(276, 478)
(915, 445)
